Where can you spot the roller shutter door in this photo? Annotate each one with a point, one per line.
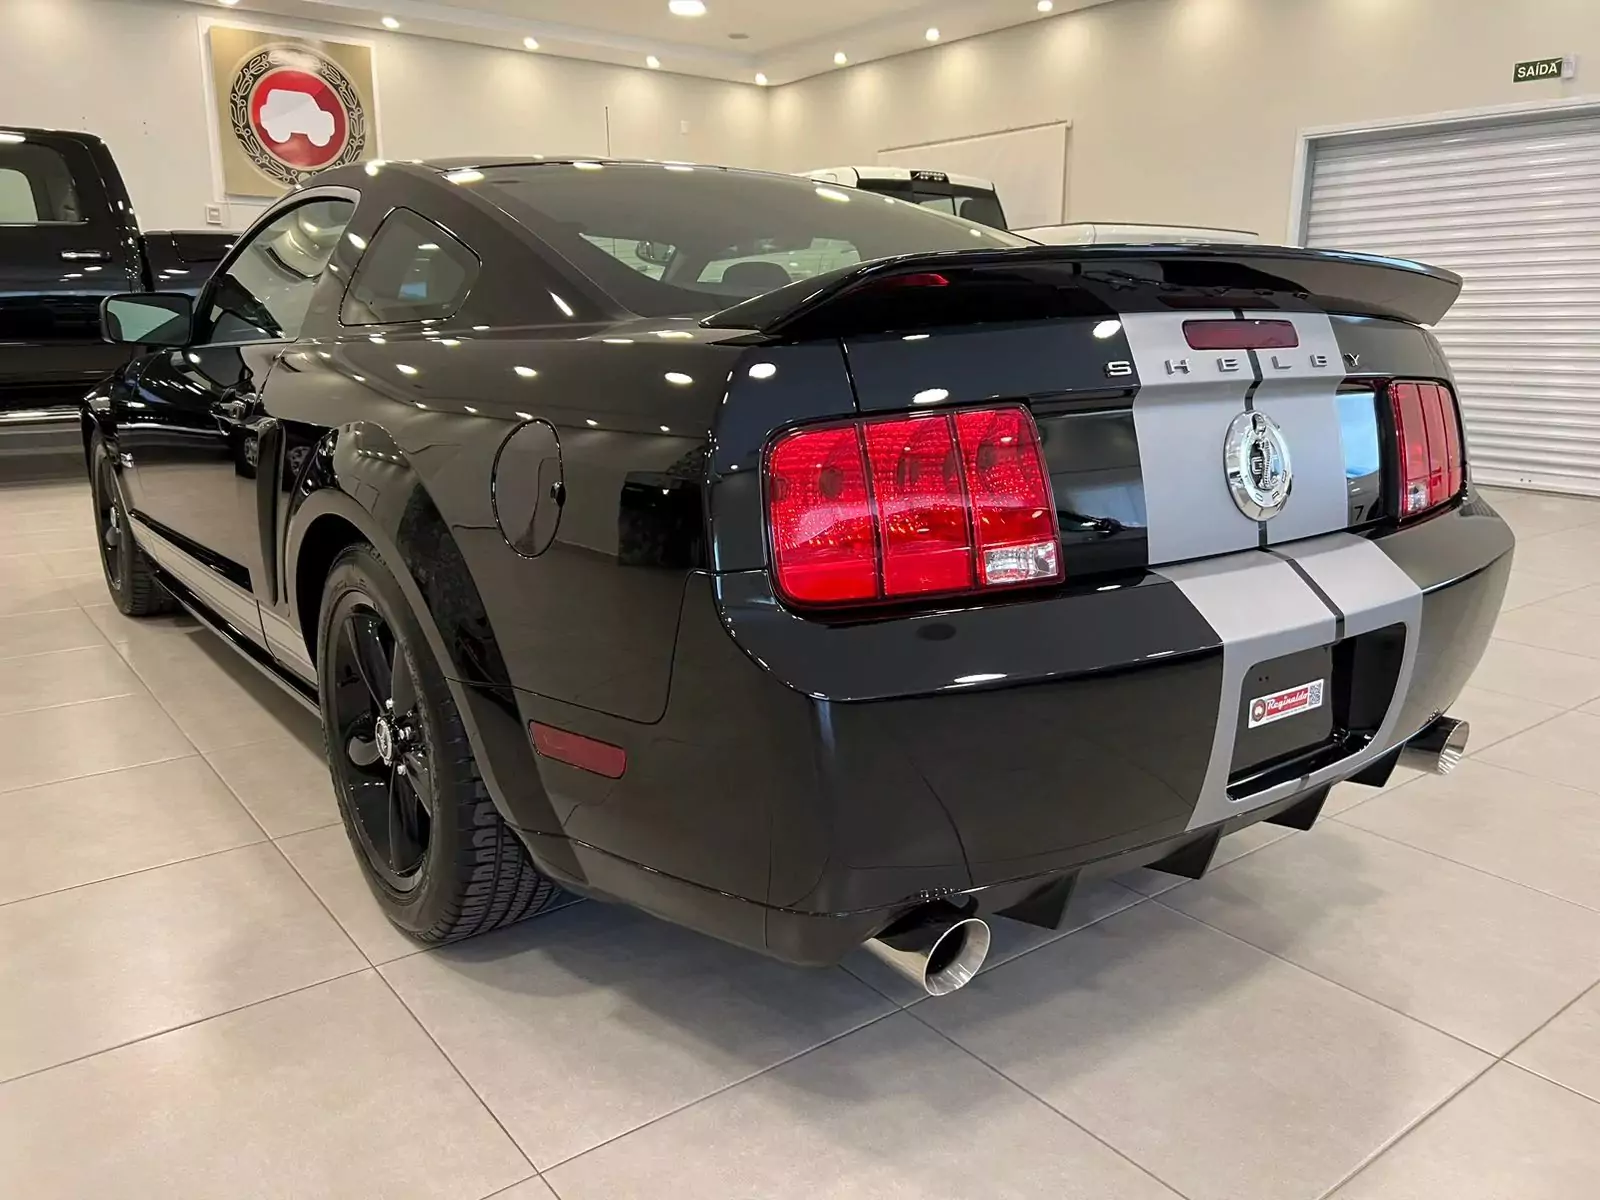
(1514, 208)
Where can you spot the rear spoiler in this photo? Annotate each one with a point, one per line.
(972, 286)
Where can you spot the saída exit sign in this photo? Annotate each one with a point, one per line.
(1544, 68)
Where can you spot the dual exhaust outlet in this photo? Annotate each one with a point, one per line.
(936, 947)
(940, 949)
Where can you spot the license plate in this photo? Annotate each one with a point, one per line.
(1290, 702)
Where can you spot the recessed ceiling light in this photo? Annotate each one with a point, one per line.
(651, 61)
(932, 35)
(840, 58)
(390, 23)
(761, 78)
(1046, 5)
(530, 43)
(227, 3)
(686, 8)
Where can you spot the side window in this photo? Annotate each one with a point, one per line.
(763, 272)
(36, 187)
(264, 294)
(647, 258)
(412, 271)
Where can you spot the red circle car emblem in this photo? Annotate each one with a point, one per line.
(295, 112)
(299, 119)
(1258, 711)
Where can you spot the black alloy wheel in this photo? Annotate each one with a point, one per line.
(381, 743)
(130, 576)
(110, 526)
(439, 858)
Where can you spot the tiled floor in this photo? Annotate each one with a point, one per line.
(198, 998)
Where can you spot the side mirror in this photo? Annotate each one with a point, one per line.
(147, 319)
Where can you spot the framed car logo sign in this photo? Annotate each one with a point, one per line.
(287, 107)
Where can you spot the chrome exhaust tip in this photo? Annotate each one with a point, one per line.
(939, 950)
(1438, 748)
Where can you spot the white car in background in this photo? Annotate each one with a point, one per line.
(959, 195)
(1102, 234)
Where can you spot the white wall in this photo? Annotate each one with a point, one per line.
(131, 71)
(1189, 111)
(1181, 110)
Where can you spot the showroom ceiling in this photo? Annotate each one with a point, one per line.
(733, 39)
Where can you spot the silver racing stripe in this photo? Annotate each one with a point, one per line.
(1185, 402)
(1299, 390)
(1262, 608)
(1372, 592)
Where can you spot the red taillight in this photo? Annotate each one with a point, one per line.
(1012, 507)
(821, 518)
(1428, 436)
(1240, 335)
(901, 507)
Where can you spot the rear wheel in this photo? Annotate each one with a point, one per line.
(435, 851)
(130, 576)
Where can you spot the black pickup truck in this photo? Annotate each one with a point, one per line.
(68, 239)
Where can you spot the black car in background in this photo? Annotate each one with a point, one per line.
(69, 239)
(793, 562)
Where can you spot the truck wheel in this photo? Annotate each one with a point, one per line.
(434, 849)
(130, 576)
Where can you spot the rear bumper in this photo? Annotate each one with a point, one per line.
(809, 783)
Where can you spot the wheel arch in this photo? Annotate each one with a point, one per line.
(397, 516)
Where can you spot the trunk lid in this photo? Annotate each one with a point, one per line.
(1140, 428)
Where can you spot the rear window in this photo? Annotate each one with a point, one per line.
(36, 186)
(673, 240)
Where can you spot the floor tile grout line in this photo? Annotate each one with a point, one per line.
(1408, 1129)
(145, 1037)
(4, 792)
(1498, 1060)
(461, 1075)
(1027, 1091)
(1319, 975)
(508, 1188)
(1527, 887)
(711, 1095)
(176, 862)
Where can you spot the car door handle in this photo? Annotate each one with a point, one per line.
(86, 255)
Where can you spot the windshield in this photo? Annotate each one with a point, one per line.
(668, 239)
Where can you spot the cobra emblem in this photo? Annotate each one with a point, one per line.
(1260, 472)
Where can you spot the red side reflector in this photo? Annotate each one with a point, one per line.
(1240, 335)
(578, 751)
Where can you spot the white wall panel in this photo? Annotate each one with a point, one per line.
(131, 71)
(1514, 208)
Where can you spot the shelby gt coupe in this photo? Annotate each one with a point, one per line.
(798, 564)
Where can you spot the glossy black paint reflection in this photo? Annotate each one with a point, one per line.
(782, 770)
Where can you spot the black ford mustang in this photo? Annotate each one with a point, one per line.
(795, 563)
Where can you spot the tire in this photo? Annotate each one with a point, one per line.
(444, 865)
(130, 576)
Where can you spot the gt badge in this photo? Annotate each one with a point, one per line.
(1256, 459)
(1264, 710)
